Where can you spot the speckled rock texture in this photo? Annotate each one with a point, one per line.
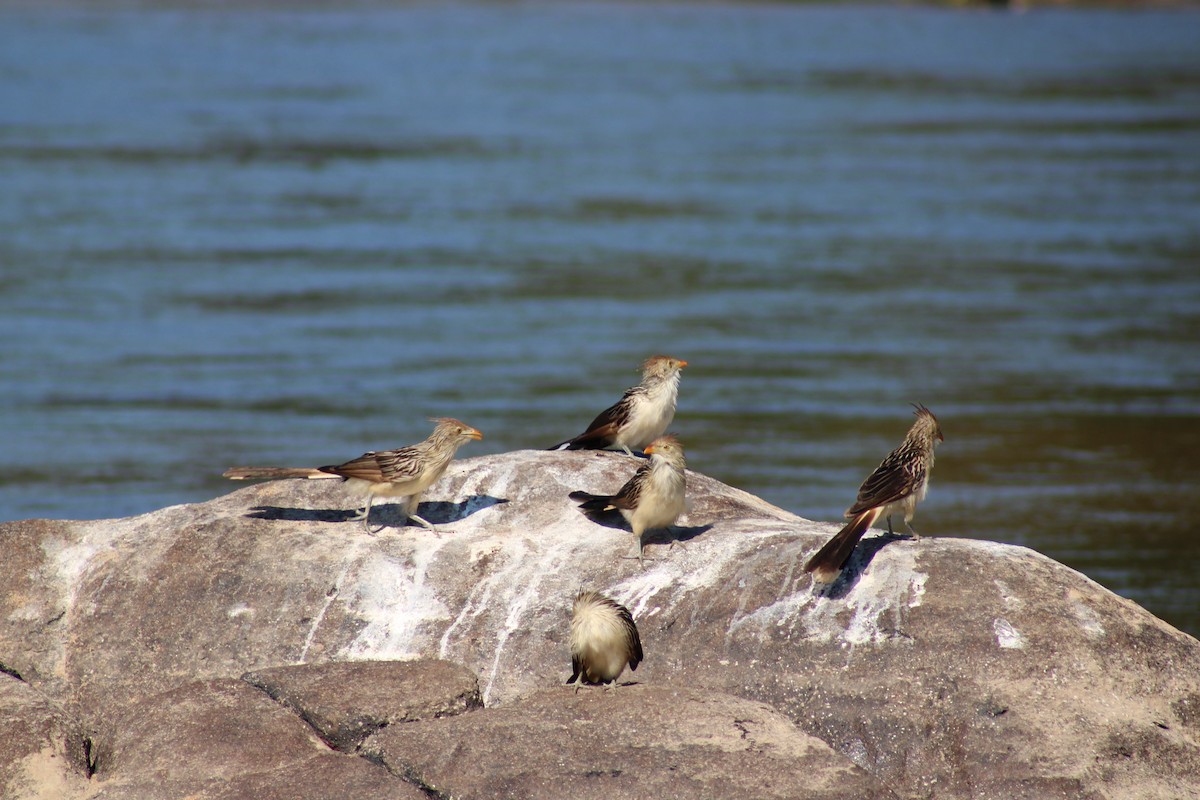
(945, 668)
(637, 742)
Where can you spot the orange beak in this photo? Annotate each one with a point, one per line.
(649, 449)
(473, 434)
(682, 363)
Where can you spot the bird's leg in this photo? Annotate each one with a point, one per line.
(628, 452)
(424, 523)
(362, 512)
(410, 513)
(890, 533)
(674, 540)
(365, 514)
(639, 555)
(916, 536)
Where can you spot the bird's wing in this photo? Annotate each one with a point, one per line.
(618, 413)
(896, 478)
(364, 468)
(607, 424)
(576, 669)
(403, 464)
(631, 636)
(631, 493)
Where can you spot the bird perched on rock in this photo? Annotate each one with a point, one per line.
(640, 416)
(652, 498)
(406, 472)
(897, 484)
(604, 639)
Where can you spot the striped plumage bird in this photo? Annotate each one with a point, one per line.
(604, 639)
(641, 415)
(405, 472)
(896, 485)
(653, 498)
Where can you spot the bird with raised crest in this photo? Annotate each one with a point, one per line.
(653, 498)
(406, 472)
(641, 415)
(896, 485)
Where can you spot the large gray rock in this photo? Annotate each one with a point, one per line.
(347, 701)
(41, 749)
(944, 668)
(630, 744)
(226, 740)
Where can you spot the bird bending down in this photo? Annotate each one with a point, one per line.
(897, 484)
(640, 416)
(604, 639)
(406, 472)
(652, 498)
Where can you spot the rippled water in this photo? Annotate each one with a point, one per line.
(287, 235)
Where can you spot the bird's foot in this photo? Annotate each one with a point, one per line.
(427, 525)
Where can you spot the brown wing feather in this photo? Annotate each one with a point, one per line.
(402, 464)
(896, 478)
(365, 468)
(618, 413)
(576, 670)
(631, 493)
(603, 430)
(631, 634)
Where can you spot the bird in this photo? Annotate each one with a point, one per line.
(406, 472)
(641, 415)
(896, 485)
(652, 498)
(604, 638)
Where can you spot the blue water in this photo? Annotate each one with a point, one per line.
(287, 235)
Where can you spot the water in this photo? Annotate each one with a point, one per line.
(288, 235)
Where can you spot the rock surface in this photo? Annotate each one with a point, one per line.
(942, 668)
(345, 702)
(652, 741)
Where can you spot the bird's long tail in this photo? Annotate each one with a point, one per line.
(274, 473)
(594, 503)
(830, 559)
(584, 441)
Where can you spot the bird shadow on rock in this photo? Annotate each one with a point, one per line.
(439, 512)
(389, 515)
(676, 533)
(860, 559)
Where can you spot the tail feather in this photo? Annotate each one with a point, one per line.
(833, 555)
(273, 473)
(594, 503)
(588, 440)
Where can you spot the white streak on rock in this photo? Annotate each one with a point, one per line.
(524, 580)
(1088, 619)
(1007, 636)
(1006, 595)
(393, 600)
(349, 560)
(879, 602)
